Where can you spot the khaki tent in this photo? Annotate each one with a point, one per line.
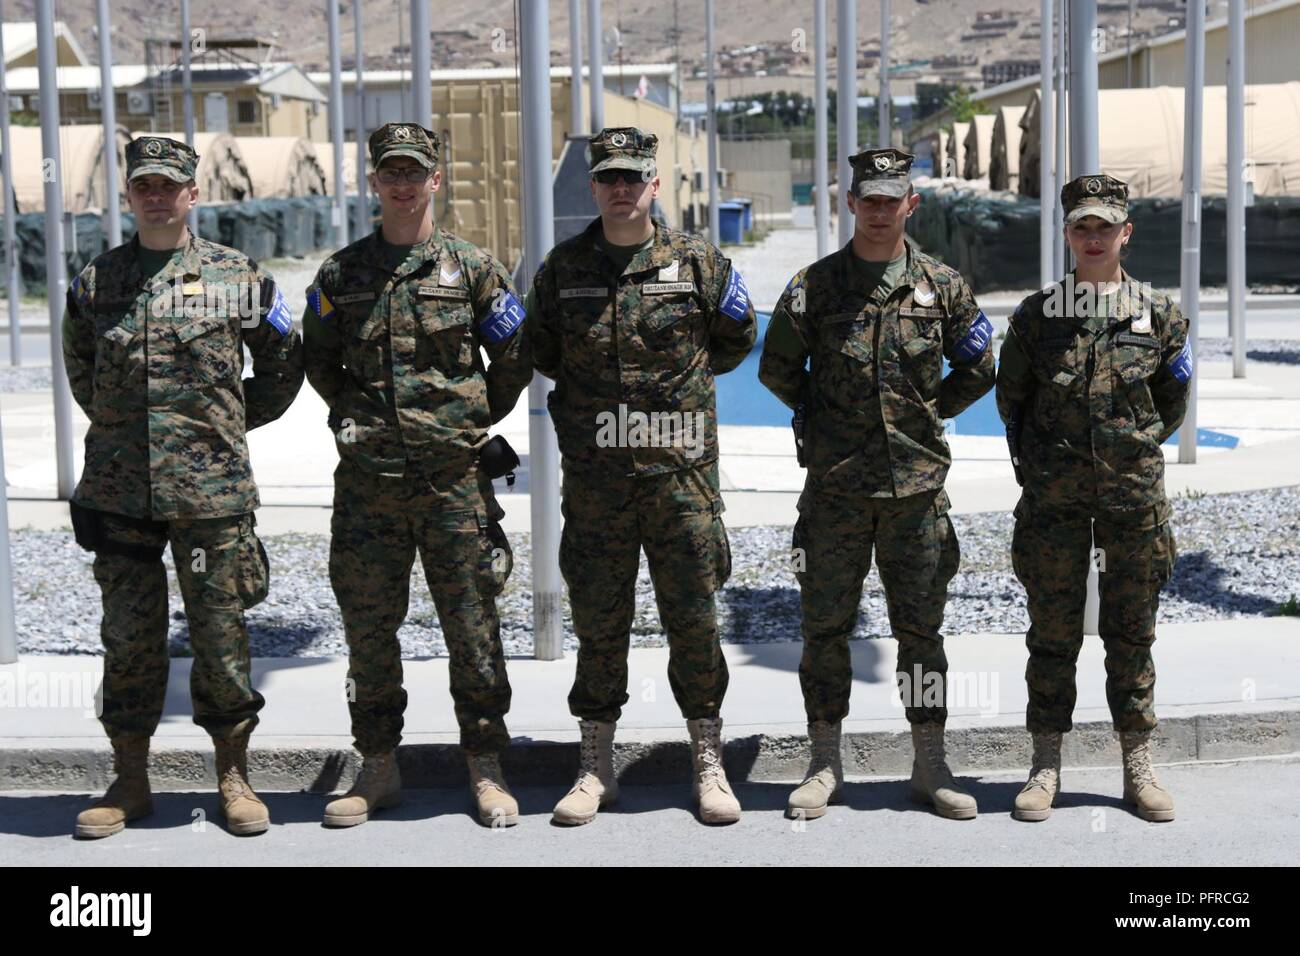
(1004, 156)
(325, 156)
(957, 148)
(222, 175)
(1140, 133)
(81, 163)
(979, 146)
(282, 166)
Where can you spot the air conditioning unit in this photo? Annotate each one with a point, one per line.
(92, 99)
(139, 103)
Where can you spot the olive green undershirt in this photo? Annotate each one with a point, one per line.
(880, 277)
(154, 261)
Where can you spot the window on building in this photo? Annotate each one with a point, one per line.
(247, 111)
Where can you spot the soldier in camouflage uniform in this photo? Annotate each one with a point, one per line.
(876, 320)
(633, 320)
(1093, 378)
(153, 340)
(395, 328)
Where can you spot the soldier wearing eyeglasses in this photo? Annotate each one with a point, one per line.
(633, 320)
(395, 331)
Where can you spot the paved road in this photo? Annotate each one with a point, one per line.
(1233, 814)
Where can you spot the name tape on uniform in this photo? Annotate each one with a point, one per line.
(443, 292)
(588, 292)
(661, 288)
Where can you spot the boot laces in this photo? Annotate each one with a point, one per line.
(233, 781)
(1137, 762)
(710, 763)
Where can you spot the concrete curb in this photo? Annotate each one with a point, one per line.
(326, 764)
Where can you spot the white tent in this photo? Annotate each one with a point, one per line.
(81, 162)
(979, 144)
(282, 166)
(222, 175)
(1004, 156)
(957, 148)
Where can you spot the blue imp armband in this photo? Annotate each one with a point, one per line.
(502, 319)
(1181, 365)
(735, 300)
(278, 314)
(976, 340)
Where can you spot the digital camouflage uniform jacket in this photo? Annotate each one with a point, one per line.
(396, 355)
(157, 369)
(875, 396)
(1093, 398)
(651, 340)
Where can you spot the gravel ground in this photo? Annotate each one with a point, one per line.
(1239, 556)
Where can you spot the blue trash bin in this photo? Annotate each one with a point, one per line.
(731, 222)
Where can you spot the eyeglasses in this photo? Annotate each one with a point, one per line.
(608, 177)
(411, 174)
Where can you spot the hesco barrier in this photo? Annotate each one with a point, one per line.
(260, 228)
(992, 238)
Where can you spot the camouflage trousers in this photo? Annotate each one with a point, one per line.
(677, 519)
(220, 572)
(378, 526)
(1050, 552)
(917, 554)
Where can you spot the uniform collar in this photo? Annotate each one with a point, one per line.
(915, 270)
(421, 252)
(189, 263)
(659, 254)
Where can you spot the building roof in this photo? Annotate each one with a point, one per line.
(20, 39)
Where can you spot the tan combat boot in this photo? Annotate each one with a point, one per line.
(596, 786)
(128, 796)
(932, 781)
(709, 787)
(243, 809)
(378, 785)
(496, 806)
(1154, 803)
(1034, 801)
(825, 777)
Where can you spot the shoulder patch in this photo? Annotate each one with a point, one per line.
(319, 303)
(79, 291)
(976, 339)
(1181, 365)
(735, 298)
(278, 314)
(503, 318)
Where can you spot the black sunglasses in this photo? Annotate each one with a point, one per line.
(608, 177)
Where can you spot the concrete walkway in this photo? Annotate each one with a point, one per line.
(1227, 689)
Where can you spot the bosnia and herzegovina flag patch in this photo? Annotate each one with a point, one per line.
(319, 303)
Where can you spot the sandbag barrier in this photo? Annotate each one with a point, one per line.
(260, 228)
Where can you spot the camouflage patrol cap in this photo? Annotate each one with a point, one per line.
(881, 172)
(404, 139)
(159, 156)
(622, 147)
(1102, 196)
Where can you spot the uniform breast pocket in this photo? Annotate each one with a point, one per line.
(213, 349)
(363, 350)
(921, 338)
(1055, 364)
(847, 338)
(668, 325)
(112, 356)
(1133, 367)
(444, 339)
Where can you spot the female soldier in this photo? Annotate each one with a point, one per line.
(1093, 378)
